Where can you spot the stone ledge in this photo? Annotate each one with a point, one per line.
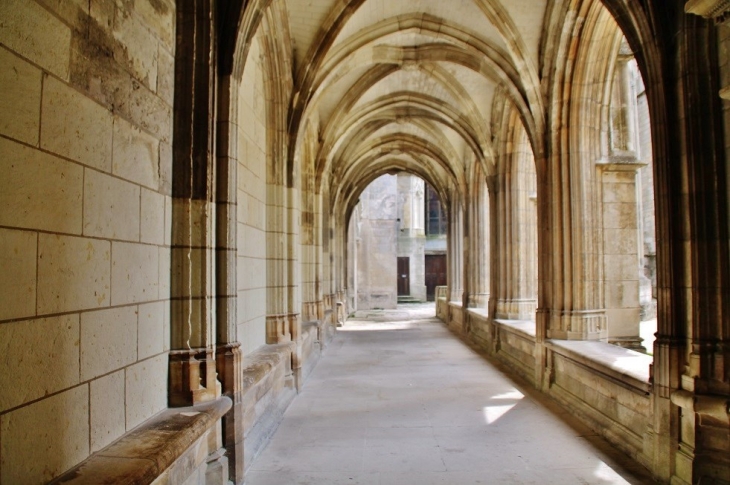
(623, 365)
(143, 454)
(524, 327)
(258, 364)
(481, 313)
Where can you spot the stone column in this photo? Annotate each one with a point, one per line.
(692, 350)
(193, 377)
(516, 241)
(229, 356)
(308, 247)
(278, 324)
(621, 251)
(479, 268)
(328, 255)
(293, 282)
(455, 250)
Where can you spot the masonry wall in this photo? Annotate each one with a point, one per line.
(411, 235)
(252, 268)
(85, 134)
(377, 250)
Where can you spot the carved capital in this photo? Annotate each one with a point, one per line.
(710, 9)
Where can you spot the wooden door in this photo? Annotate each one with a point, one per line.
(404, 276)
(435, 274)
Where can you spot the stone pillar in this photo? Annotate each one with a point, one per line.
(293, 282)
(516, 241)
(694, 305)
(277, 265)
(311, 234)
(479, 248)
(229, 356)
(455, 250)
(621, 251)
(193, 377)
(353, 241)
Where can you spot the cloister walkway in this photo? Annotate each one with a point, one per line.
(398, 399)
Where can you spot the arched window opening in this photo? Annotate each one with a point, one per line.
(628, 211)
(397, 243)
(435, 216)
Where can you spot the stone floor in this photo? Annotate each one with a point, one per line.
(397, 399)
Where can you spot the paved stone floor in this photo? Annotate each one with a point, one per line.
(397, 399)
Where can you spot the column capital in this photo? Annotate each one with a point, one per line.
(710, 9)
(621, 163)
(577, 325)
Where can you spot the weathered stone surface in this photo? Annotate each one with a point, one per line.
(159, 16)
(106, 336)
(74, 126)
(20, 105)
(73, 273)
(30, 192)
(145, 390)
(134, 273)
(106, 406)
(135, 154)
(165, 75)
(152, 225)
(18, 258)
(150, 334)
(32, 437)
(140, 48)
(145, 453)
(49, 47)
(111, 207)
(51, 344)
(72, 12)
(164, 273)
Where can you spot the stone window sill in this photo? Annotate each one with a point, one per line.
(625, 365)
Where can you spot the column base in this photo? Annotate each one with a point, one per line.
(516, 309)
(312, 311)
(631, 343)
(478, 300)
(229, 358)
(578, 325)
(278, 329)
(193, 377)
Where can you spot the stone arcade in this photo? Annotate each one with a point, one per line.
(178, 179)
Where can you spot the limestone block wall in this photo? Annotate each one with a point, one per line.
(411, 236)
(85, 134)
(620, 253)
(252, 268)
(378, 245)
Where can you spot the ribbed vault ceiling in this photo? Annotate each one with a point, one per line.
(410, 85)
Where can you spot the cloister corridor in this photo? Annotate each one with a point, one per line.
(210, 211)
(398, 399)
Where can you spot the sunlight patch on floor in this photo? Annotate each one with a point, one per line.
(493, 412)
